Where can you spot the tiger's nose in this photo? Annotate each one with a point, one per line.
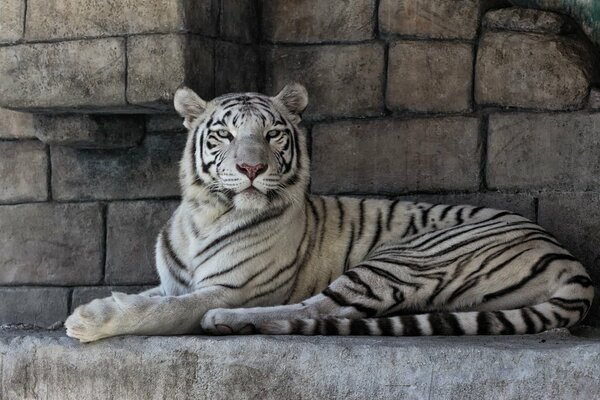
(251, 171)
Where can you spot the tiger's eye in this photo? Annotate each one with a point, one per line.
(225, 134)
(272, 134)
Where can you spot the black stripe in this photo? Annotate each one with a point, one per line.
(540, 266)
(236, 265)
(484, 326)
(445, 324)
(528, 321)
(459, 217)
(341, 301)
(388, 275)
(340, 207)
(359, 327)
(445, 212)
(257, 220)
(166, 242)
(349, 248)
(411, 229)
(323, 223)
(390, 216)
(385, 326)
(475, 211)
(545, 321)
(330, 327)
(582, 280)
(354, 277)
(508, 327)
(562, 322)
(377, 235)
(361, 218)
(425, 215)
(410, 326)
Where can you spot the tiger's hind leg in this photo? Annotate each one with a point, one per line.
(364, 291)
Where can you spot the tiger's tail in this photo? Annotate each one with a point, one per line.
(565, 308)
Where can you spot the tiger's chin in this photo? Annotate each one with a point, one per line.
(250, 199)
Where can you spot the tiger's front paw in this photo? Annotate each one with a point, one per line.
(223, 321)
(102, 318)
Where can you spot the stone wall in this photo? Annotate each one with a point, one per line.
(453, 101)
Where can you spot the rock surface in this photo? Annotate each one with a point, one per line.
(399, 155)
(505, 74)
(526, 20)
(51, 366)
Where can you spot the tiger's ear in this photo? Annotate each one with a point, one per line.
(189, 105)
(294, 97)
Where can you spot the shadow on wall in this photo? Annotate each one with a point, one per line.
(449, 101)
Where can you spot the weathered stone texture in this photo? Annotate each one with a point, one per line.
(526, 20)
(396, 156)
(23, 171)
(149, 170)
(131, 238)
(239, 20)
(90, 131)
(574, 219)
(16, 125)
(164, 123)
(594, 100)
(231, 75)
(83, 295)
(11, 20)
(56, 244)
(43, 307)
(429, 76)
(54, 19)
(342, 80)
(523, 204)
(541, 151)
(158, 64)
(550, 366)
(73, 74)
(532, 71)
(310, 21)
(447, 19)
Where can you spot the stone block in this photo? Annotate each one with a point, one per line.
(16, 125)
(594, 99)
(158, 64)
(231, 75)
(532, 71)
(57, 19)
(12, 20)
(574, 219)
(429, 76)
(51, 243)
(23, 171)
(85, 294)
(444, 19)
(396, 156)
(521, 203)
(80, 74)
(42, 307)
(132, 230)
(313, 21)
(526, 20)
(90, 131)
(149, 170)
(342, 80)
(239, 20)
(544, 151)
(164, 123)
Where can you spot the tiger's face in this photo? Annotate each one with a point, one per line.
(246, 149)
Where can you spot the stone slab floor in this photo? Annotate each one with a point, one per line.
(48, 365)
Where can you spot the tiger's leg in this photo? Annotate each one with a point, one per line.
(364, 291)
(122, 314)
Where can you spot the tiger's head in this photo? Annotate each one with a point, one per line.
(245, 150)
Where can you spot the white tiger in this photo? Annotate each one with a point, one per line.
(250, 251)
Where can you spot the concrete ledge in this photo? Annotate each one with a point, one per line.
(49, 365)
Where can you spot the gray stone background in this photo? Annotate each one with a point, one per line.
(453, 101)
